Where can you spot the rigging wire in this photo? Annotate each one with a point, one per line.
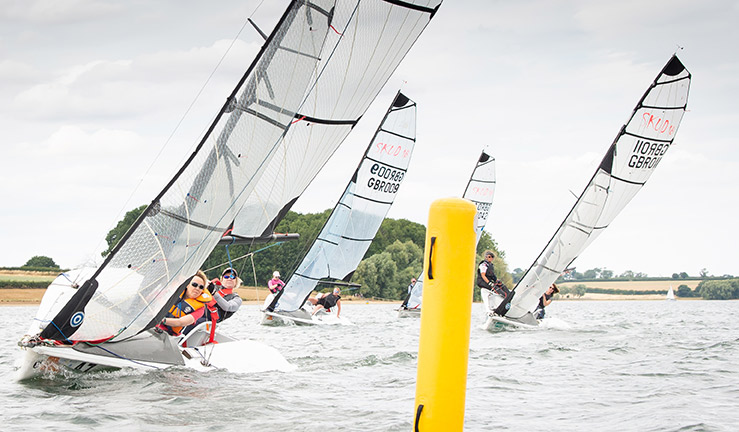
(182, 119)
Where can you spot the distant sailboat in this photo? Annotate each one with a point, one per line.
(353, 224)
(480, 190)
(670, 294)
(626, 167)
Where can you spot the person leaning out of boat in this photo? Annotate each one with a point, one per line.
(545, 300)
(486, 279)
(327, 302)
(190, 308)
(408, 295)
(275, 286)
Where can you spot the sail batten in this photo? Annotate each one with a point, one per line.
(625, 169)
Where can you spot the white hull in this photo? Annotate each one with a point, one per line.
(409, 313)
(494, 322)
(282, 318)
(146, 351)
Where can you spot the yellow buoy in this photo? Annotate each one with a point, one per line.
(443, 349)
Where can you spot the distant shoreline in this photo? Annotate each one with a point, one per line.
(32, 297)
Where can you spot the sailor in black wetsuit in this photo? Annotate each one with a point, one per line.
(486, 280)
(545, 300)
(327, 302)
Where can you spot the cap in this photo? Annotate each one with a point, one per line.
(276, 274)
(489, 254)
(229, 270)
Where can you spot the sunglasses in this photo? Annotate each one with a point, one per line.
(229, 276)
(198, 286)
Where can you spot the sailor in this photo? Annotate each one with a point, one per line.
(486, 279)
(190, 308)
(408, 295)
(275, 286)
(226, 300)
(327, 302)
(545, 300)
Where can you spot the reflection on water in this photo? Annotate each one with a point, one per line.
(628, 365)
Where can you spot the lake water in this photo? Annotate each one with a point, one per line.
(606, 366)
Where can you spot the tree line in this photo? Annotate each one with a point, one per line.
(393, 258)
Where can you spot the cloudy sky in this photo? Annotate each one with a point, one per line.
(93, 93)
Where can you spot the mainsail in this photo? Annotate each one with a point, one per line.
(182, 225)
(480, 190)
(352, 225)
(627, 165)
(367, 41)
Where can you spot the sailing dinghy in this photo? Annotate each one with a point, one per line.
(354, 221)
(626, 167)
(670, 294)
(104, 317)
(480, 190)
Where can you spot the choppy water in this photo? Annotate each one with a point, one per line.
(608, 366)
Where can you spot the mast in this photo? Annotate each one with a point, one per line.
(627, 165)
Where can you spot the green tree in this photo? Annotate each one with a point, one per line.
(590, 274)
(719, 289)
(684, 291)
(683, 275)
(117, 233)
(703, 273)
(606, 274)
(397, 229)
(376, 274)
(675, 276)
(628, 274)
(41, 261)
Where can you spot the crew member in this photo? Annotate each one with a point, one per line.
(327, 302)
(545, 300)
(190, 308)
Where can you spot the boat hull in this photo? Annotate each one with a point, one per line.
(409, 313)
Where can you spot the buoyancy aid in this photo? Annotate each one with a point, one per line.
(186, 307)
(489, 273)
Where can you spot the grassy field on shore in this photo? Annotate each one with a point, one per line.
(12, 294)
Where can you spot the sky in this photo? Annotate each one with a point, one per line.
(103, 100)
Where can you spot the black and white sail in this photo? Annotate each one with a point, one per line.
(629, 162)
(480, 190)
(367, 41)
(182, 225)
(352, 225)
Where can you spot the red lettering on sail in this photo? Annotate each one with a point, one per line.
(658, 124)
(392, 150)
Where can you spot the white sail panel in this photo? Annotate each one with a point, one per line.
(480, 190)
(352, 225)
(367, 42)
(628, 164)
(181, 227)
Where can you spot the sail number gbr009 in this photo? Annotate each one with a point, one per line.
(385, 179)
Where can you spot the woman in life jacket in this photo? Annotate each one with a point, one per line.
(190, 307)
(327, 302)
